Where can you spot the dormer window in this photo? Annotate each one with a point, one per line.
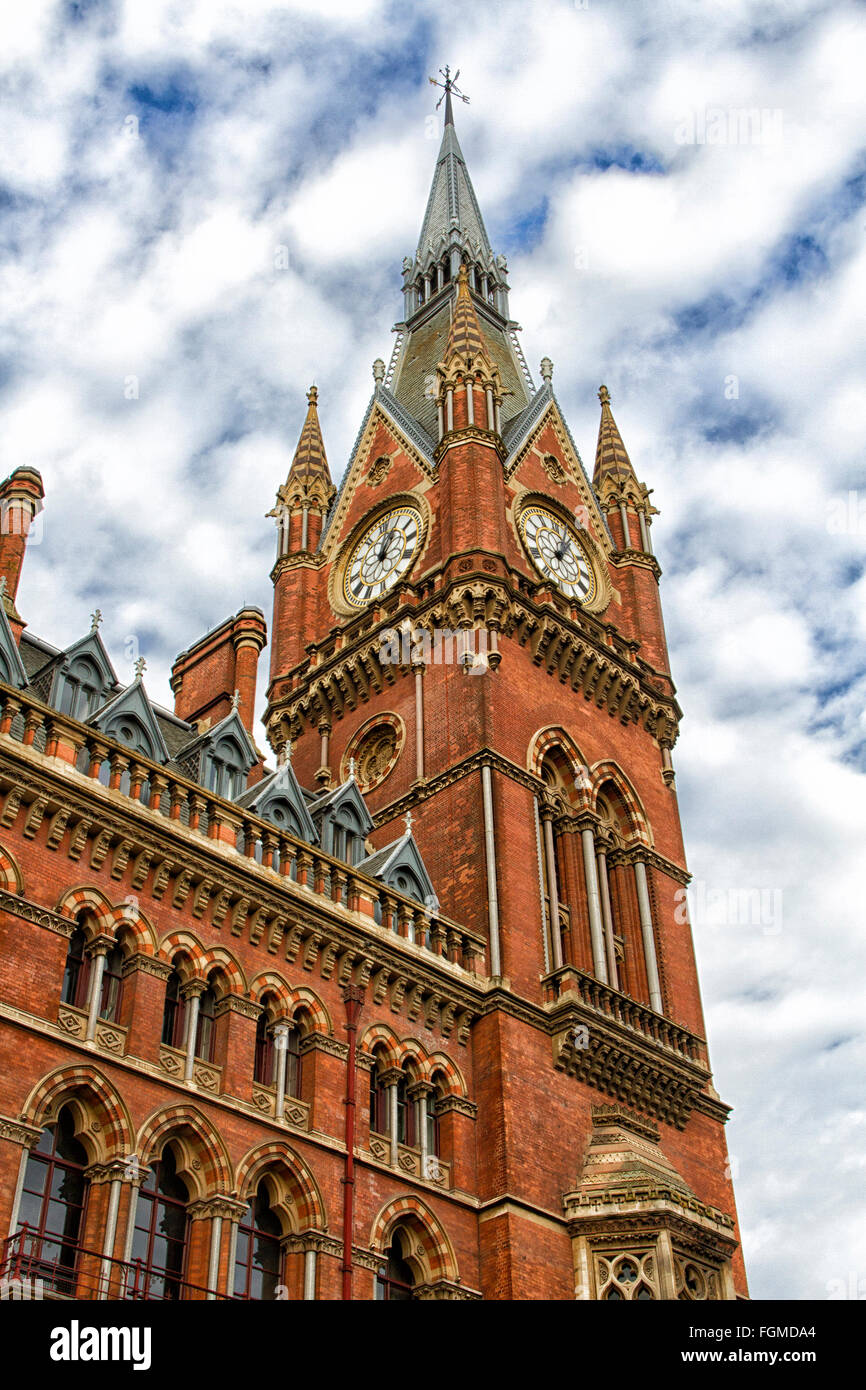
(226, 774)
(81, 690)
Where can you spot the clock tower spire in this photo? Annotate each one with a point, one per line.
(470, 634)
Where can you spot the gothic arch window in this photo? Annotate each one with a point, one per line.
(174, 1012)
(379, 1118)
(111, 991)
(128, 730)
(264, 1065)
(281, 812)
(76, 975)
(406, 1125)
(395, 1279)
(258, 1256)
(161, 1234)
(432, 1110)
(53, 1204)
(204, 1029)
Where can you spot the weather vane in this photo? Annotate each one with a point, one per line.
(449, 87)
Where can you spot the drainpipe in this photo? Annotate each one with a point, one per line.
(353, 997)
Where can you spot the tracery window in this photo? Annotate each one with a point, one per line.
(627, 1277)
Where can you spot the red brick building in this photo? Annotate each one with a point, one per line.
(413, 1013)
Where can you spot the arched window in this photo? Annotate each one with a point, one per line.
(161, 1229)
(128, 730)
(293, 1062)
(282, 813)
(226, 775)
(406, 1126)
(174, 1012)
(76, 976)
(347, 841)
(431, 1110)
(112, 985)
(204, 1033)
(265, 1058)
(81, 690)
(258, 1258)
(53, 1202)
(394, 1279)
(378, 1102)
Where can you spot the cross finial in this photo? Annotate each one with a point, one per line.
(140, 667)
(408, 822)
(95, 620)
(236, 699)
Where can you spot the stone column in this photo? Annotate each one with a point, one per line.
(26, 1136)
(491, 416)
(390, 1079)
(644, 532)
(419, 722)
(310, 1274)
(324, 773)
(649, 944)
(596, 930)
(97, 950)
(449, 409)
(626, 533)
(552, 889)
(470, 402)
(281, 1033)
(191, 992)
(490, 855)
(607, 917)
(419, 1092)
(305, 524)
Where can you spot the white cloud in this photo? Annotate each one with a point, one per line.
(305, 126)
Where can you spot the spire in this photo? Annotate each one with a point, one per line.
(310, 464)
(452, 214)
(465, 336)
(307, 493)
(612, 463)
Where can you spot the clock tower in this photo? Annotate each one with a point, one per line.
(471, 628)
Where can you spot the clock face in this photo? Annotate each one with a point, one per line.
(384, 553)
(557, 553)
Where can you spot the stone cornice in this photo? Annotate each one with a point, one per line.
(37, 914)
(589, 655)
(320, 1042)
(469, 434)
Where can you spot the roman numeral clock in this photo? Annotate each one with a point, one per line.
(384, 553)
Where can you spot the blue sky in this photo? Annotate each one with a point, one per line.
(708, 265)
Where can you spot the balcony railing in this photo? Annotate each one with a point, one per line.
(569, 984)
(155, 792)
(47, 1266)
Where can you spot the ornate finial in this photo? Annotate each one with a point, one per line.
(351, 769)
(140, 667)
(463, 274)
(236, 699)
(313, 395)
(408, 822)
(95, 619)
(546, 370)
(378, 371)
(449, 89)
(604, 395)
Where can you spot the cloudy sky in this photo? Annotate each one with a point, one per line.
(205, 206)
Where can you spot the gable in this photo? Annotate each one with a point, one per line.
(367, 481)
(401, 867)
(129, 719)
(280, 800)
(544, 459)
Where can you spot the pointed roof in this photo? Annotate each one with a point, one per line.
(404, 853)
(465, 337)
(452, 205)
(310, 460)
(134, 703)
(231, 725)
(612, 463)
(281, 785)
